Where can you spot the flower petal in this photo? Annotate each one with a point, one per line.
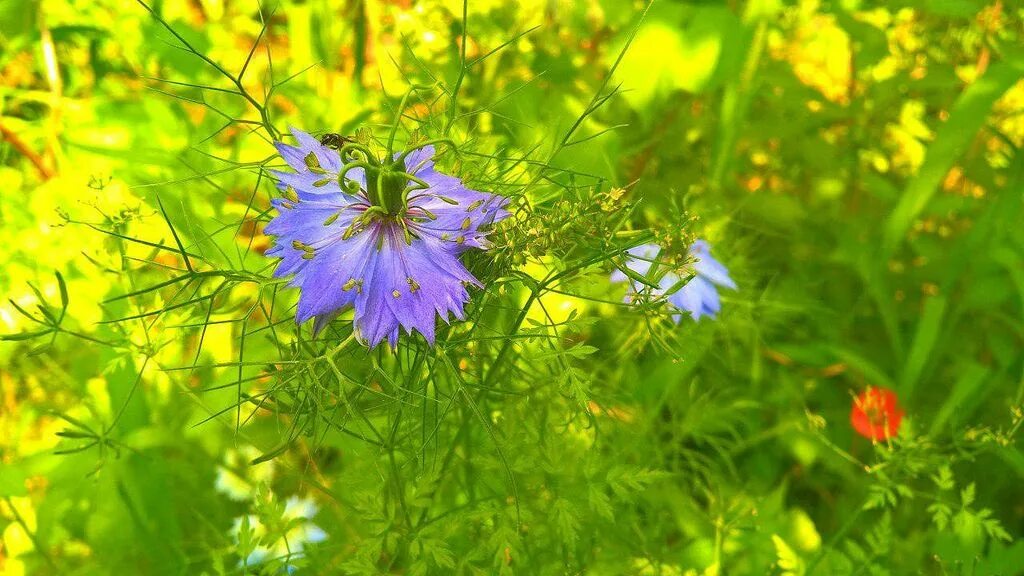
(421, 159)
(413, 284)
(304, 223)
(335, 276)
(708, 267)
(458, 225)
(698, 297)
(642, 258)
(328, 158)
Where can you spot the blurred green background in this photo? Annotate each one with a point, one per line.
(855, 164)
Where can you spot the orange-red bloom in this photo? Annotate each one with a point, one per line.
(876, 415)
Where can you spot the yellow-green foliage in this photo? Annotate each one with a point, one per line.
(855, 165)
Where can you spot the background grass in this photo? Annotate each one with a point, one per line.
(856, 165)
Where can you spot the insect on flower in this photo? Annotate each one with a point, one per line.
(382, 235)
(876, 414)
(699, 297)
(335, 141)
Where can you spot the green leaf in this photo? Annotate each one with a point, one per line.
(581, 351)
(63, 290)
(18, 17)
(927, 333)
(995, 529)
(786, 558)
(565, 519)
(965, 388)
(600, 502)
(944, 479)
(23, 336)
(968, 528)
(967, 495)
(272, 453)
(940, 515)
(953, 8)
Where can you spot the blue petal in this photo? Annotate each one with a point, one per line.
(323, 279)
(698, 297)
(391, 301)
(328, 158)
(708, 267)
(642, 257)
(303, 179)
(307, 182)
(639, 259)
(293, 155)
(474, 210)
(304, 222)
(421, 159)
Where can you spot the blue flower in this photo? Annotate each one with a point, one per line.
(381, 236)
(699, 296)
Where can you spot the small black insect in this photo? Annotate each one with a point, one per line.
(335, 141)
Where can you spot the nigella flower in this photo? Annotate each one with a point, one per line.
(699, 296)
(382, 236)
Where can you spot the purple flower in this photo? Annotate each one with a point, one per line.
(386, 241)
(699, 296)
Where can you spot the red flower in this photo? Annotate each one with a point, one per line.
(876, 415)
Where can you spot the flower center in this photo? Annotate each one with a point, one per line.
(388, 183)
(875, 415)
(387, 188)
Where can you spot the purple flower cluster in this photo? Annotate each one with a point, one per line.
(381, 236)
